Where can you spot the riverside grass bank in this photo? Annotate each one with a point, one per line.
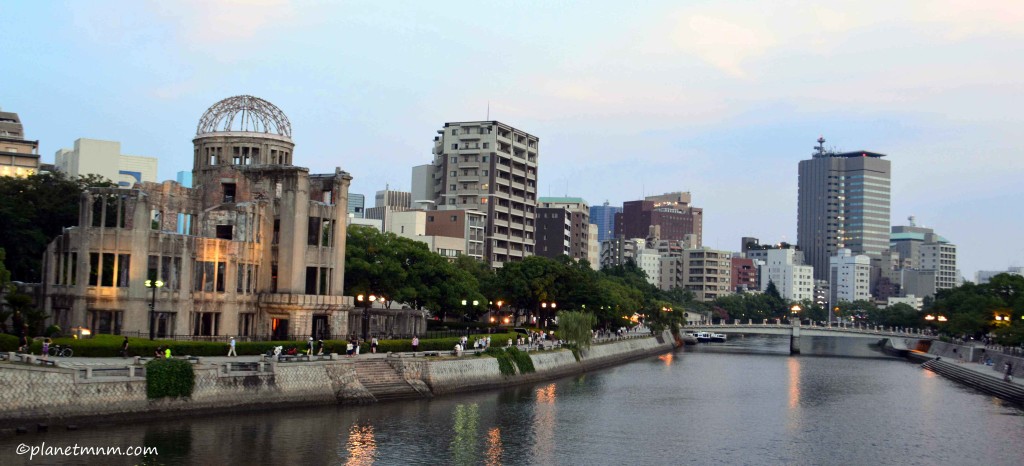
(31, 394)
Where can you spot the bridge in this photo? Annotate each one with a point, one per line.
(795, 330)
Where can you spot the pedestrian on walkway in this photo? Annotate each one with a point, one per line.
(46, 347)
(349, 348)
(167, 353)
(309, 344)
(415, 343)
(23, 345)
(320, 351)
(124, 348)
(231, 351)
(1009, 373)
(373, 345)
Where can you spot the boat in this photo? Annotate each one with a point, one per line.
(708, 337)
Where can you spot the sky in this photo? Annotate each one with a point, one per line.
(719, 98)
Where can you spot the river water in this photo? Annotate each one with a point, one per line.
(742, 402)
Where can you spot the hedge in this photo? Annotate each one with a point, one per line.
(172, 378)
(8, 342)
(505, 364)
(522, 360)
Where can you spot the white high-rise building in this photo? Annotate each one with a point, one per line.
(849, 277)
(104, 158)
(795, 282)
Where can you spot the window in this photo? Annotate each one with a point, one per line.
(454, 173)
(277, 230)
(209, 276)
(451, 201)
(485, 157)
(487, 145)
(245, 324)
(455, 218)
(451, 187)
(318, 280)
(430, 218)
(455, 160)
(206, 324)
(229, 192)
(455, 146)
(170, 272)
(247, 274)
(455, 132)
(273, 278)
(313, 234)
(106, 321)
(224, 231)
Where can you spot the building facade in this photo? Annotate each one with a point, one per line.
(356, 205)
(668, 217)
(744, 275)
(255, 249)
(19, 157)
(849, 277)
(920, 248)
(578, 214)
(489, 167)
(104, 158)
(843, 201)
(707, 273)
(468, 226)
(604, 217)
(794, 280)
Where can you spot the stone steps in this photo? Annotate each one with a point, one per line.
(986, 383)
(383, 381)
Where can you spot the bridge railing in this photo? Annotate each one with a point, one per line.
(839, 328)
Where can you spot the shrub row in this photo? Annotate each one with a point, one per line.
(522, 360)
(169, 378)
(505, 364)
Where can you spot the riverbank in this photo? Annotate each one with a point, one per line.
(963, 364)
(92, 394)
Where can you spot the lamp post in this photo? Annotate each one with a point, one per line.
(367, 302)
(794, 312)
(154, 284)
(466, 311)
(544, 310)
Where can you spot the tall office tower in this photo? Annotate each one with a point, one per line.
(574, 214)
(668, 216)
(19, 157)
(356, 205)
(387, 202)
(604, 217)
(490, 167)
(843, 202)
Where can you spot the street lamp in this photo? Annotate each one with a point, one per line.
(544, 306)
(367, 302)
(794, 311)
(154, 284)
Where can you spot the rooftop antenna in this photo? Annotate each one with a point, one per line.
(819, 150)
(488, 110)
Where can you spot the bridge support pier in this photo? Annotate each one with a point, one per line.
(794, 339)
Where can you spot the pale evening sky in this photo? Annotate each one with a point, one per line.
(720, 98)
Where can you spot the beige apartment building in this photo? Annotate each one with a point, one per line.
(489, 167)
(706, 272)
(19, 157)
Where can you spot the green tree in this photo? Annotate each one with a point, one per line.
(34, 210)
(576, 327)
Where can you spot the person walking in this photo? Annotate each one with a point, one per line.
(1009, 373)
(373, 345)
(415, 343)
(167, 353)
(231, 348)
(23, 344)
(348, 349)
(310, 345)
(320, 350)
(124, 348)
(46, 347)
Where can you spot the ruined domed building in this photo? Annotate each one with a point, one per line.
(255, 248)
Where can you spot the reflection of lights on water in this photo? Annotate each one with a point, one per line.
(667, 357)
(493, 447)
(546, 394)
(464, 444)
(361, 445)
(794, 382)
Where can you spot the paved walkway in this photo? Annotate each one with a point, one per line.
(979, 368)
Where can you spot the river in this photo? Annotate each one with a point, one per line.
(742, 402)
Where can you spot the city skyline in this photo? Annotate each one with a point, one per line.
(718, 99)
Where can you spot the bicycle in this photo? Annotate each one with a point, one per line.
(61, 351)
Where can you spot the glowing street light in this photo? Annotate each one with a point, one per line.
(154, 284)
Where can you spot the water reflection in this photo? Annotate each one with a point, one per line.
(544, 425)
(463, 445)
(361, 446)
(493, 447)
(666, 358)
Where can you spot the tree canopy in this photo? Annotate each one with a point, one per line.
(35, 209)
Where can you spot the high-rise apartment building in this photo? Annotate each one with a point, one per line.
(489, 167)
(843, 202)
(604, 217)
(707, 273)
(668, 216)
(19, 157)
(104, 158)
(576, 216)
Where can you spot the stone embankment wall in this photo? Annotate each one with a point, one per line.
(30, 393)
(974, 354)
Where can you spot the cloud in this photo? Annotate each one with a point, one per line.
(214, 24)
(724, 43)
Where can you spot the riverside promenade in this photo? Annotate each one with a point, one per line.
(84, 390)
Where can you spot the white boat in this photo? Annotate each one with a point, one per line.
(717, 338)
(703, 337)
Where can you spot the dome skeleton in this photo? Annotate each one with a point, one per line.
(254, 115)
